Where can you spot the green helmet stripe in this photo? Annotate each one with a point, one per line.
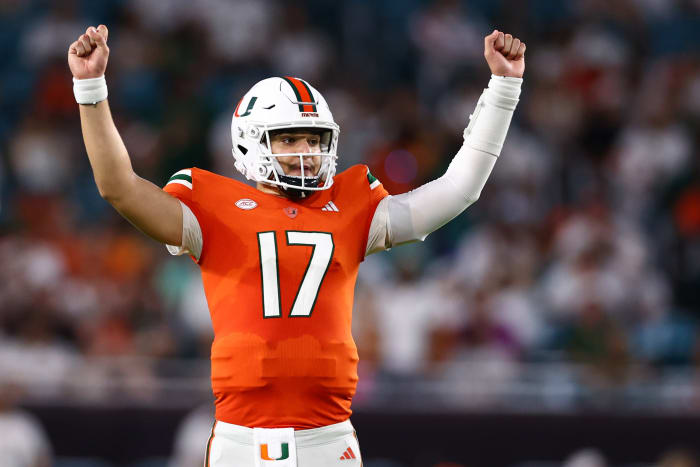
(296, 93)
(310, 93)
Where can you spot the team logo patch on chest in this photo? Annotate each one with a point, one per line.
(246, 204)
(290, 211)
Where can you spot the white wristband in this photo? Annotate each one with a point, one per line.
(90, 91)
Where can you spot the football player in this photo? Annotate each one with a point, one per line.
(279, 260)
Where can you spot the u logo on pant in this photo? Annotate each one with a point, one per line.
(265, 456)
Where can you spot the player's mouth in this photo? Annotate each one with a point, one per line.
(309, 170)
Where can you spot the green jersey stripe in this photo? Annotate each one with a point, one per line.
(187, 178)
(371, 178)
(180, 182)
(183, 172)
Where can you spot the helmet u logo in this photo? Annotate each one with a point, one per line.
(248, 109)
(265, 456)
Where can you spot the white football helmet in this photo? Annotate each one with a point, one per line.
(275, 104)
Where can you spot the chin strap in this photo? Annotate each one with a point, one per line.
(294, 193)
(295, 181)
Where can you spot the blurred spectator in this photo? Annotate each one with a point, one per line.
(449, 38)
(46, 35)
(678, 458)
(191, 438)
(299, 50)
(586, 458)
(23, 442)
(41, 156)
(407, 313)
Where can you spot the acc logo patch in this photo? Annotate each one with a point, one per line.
(246, 204)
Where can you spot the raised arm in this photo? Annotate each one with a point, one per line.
(411, 216)
(146, 206)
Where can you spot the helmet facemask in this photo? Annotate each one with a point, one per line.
(296, 186)
(268, 170)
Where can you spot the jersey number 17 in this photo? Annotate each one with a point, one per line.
(321, 254)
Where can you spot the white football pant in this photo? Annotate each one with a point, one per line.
(238, 446)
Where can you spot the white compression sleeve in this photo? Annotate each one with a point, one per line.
(191, 235)
(411, 216)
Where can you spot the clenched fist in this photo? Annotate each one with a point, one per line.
(505, 54)
(87, 57)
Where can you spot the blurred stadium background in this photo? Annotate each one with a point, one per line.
(554, 323)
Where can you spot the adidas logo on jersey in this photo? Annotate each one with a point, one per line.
(348, 454)
(330, 206)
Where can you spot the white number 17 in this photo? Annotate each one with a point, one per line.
(305, 299)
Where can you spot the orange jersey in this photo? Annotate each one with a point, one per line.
(279, 276)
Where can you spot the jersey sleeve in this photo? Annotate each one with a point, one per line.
(375, 232)
(180, 186)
